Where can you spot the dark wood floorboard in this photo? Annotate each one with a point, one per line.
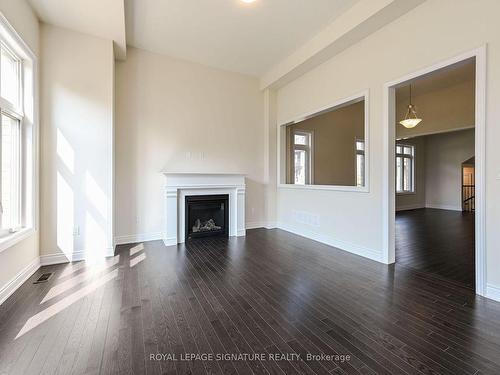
(438, 242)
(271, 293)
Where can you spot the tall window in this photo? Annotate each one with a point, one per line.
(302, 146)
(11, 115)
(360, 162)
(405, 165)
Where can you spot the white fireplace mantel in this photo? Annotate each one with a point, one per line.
(180, 185)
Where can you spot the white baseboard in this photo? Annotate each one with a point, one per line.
(409, 207)
(56, 258)
(271, 225)
(59, 257)
(443, 207)
(255, 224)
(261, 224)
(141, 237)
(493, 292)
(329, 240)
(18, 280)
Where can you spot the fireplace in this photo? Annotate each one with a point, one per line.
(178, 186)
(206, 215)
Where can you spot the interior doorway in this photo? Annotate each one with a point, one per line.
(468, 185)
(438, 233)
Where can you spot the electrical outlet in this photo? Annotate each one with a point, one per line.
(76, 230)
(306, 218)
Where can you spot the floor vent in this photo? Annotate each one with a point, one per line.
(44, 278)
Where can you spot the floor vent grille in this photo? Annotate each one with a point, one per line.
(44, 278)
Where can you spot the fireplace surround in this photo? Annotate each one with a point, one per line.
(178, 186)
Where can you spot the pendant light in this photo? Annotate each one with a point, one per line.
(411, 119)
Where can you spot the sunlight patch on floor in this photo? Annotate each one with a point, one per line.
(56, 308)
(137, 259)
(90, 271)
(134, 250)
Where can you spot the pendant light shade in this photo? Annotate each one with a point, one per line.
(411, 119)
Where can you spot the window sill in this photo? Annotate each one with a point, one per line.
(359, 189)
(14, 238)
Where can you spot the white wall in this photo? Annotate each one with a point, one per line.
(76, 143)
(182, 117)
(354, 220)
(445, 154)
(18, 257)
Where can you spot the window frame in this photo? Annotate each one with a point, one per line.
(26, 111)
(356, 153)
(309, 151)
(404, 156)
(281, 142)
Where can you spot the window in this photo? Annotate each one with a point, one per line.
(11, 116)
(18, 136)
(10, 145)
(360, 162)
(302, 145)
(326, 149)
(405, 165)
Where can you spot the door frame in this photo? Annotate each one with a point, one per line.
(389, 194)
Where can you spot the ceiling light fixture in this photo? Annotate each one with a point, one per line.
(411, 119)
(248, 1)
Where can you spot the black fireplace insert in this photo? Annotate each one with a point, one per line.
(207, 215)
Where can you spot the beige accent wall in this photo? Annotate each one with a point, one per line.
(445, 154)
(182, 117)
(334, 134)
(353, 220)
(441, 110)
(16, 258)
(76, 143)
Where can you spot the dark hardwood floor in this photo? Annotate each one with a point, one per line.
(270, 293)
(439, 242)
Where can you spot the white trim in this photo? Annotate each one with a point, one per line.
(170, 241)
(256, 224)
(443, 207)
(271, 225)
(14, 238)
(493, 292)
(140, 237)
(331, 241)
(410, 207)
(364, 95)
(75, 256)
(30, 208)
(388, 208)
(50, 259)
(18, 280)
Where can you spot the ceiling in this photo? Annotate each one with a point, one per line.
(228, 34)
(101, 18)
(463, 71)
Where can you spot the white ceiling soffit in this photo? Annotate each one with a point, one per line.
(248, 38)
(100, 18)
(359, 21)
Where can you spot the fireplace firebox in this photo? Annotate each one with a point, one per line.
(207, 215)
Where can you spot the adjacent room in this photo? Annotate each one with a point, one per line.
(249, 187)
(435, 173)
